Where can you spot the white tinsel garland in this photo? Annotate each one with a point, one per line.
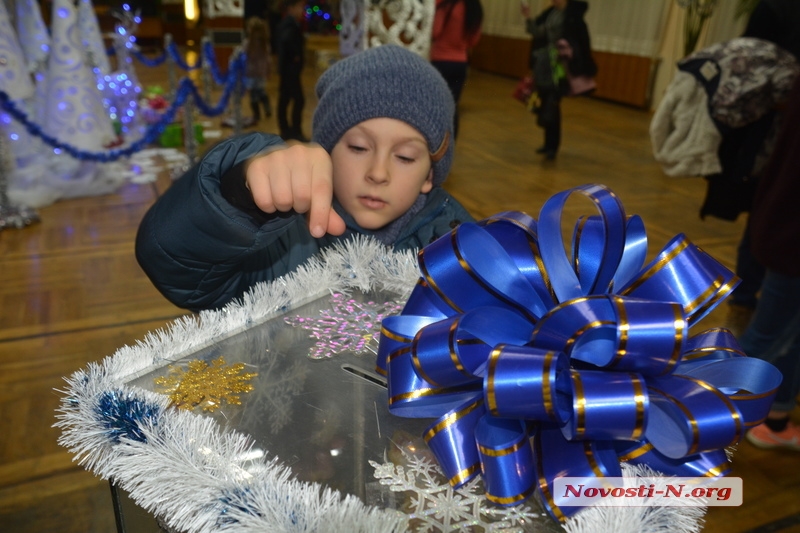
(197, 477)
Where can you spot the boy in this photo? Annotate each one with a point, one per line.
(254, 209)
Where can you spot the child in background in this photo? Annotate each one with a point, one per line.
(257, 67)
(254, 209)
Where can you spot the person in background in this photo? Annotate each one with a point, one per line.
(774, 331)
(255, 8)
(731, 193)
(560, 50)
(257, 67)
(456, 30)
(291, 58)
(253, 209)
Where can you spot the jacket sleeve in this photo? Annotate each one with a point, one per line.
(576, 32)
(201, 251)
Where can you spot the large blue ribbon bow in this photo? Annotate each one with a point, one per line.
(536, 364)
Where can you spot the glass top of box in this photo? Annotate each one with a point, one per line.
(319, 407)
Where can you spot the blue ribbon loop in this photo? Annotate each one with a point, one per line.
(537, 363)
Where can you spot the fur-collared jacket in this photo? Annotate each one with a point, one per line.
(202, 248)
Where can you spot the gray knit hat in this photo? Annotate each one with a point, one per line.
(392, 82)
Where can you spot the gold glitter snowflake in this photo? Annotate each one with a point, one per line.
(205, 386)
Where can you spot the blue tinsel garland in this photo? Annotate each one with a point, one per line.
(153, 132)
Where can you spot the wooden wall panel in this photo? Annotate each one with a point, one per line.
(502, 55)
(624, 78)
(621, 78)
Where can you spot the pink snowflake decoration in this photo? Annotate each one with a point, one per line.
(348, 325)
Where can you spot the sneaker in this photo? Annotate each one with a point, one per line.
(763, 437)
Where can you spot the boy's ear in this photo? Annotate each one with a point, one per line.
(427, 185)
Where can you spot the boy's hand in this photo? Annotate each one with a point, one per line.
(299, 178)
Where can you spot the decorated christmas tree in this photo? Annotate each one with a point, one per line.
(75, 110)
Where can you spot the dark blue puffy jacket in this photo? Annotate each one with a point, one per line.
(201, 252)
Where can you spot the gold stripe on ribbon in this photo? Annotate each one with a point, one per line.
(623, 328)
(723, 292)
(468, 269)
(718, 470)
(547, 494)
(397, 353)
(512, 499)
(451, 344)
(576, 255)
(491, 452)
(432, 284)
(424, 393)
(695, 304)
(537, 256)
(464, 475)
(417, 365)
(394, 336)
(679, 324)
(639, 397)
(547, 387)
(580, 405)
(467, 342)
(589, 454)
(491, 395)
(661, 263)
(689, 417)
(638, 452)
(452, 419)
(702, 352)
(732, 408)
(749, 397)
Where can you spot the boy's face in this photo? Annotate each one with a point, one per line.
(380, 167)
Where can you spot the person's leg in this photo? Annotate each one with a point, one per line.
(297, 110)
(266, 103)
(254, 108)
(550, 120)
(284, 97)
(742, 303)
(774, 336)
(455, 74)
(751, 272)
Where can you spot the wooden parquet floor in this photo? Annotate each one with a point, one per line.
(71, 291)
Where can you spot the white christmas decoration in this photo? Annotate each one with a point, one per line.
(198, 476)
(14, 78)
(75, 111)
(411, 24)
(223, 8)
(35, 41)
(92, 38)
(370, 23)
(351, 36)
(33, 34)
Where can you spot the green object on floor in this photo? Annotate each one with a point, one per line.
(172, 137)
